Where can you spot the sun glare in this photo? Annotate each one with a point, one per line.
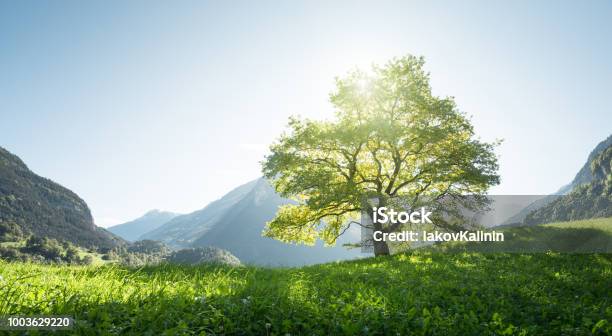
(364, 86)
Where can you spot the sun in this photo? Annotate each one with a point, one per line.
(364, 86)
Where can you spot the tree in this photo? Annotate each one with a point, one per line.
(391, 139)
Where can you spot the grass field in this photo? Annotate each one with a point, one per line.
(584, 236)
(603, 224)
(419, 293)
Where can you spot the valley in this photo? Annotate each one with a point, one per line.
(315, 168)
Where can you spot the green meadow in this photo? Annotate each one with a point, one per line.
(583, 236)
(414, 293)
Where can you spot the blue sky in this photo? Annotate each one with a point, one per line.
(170, 104)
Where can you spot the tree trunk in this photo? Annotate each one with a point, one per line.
(381, 248)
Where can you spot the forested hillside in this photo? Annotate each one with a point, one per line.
(34, 205)
(584, 176)
(591, 200)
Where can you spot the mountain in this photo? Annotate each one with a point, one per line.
(132, 230)
(182, 230)
(584, 176)
(241, 228)
(591, 200)
(518, 218)
(235, 223)
(35, 205)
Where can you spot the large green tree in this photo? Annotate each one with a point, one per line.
(391, 138)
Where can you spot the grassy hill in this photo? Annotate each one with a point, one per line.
(420, 293)
(583, 236)
(602, 224)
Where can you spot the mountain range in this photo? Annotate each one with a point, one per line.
(235, 223)
(181, 231)
(132, 230)
(34, 205)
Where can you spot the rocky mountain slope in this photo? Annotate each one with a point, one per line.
(36, 205)
(591, 200)
(584, 176)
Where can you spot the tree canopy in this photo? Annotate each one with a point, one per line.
(391, 137)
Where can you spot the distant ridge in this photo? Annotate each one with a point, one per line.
(241, 233)
(182, 230)
(235, 223)
(133, 230)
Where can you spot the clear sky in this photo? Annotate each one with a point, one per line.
(170, 104)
